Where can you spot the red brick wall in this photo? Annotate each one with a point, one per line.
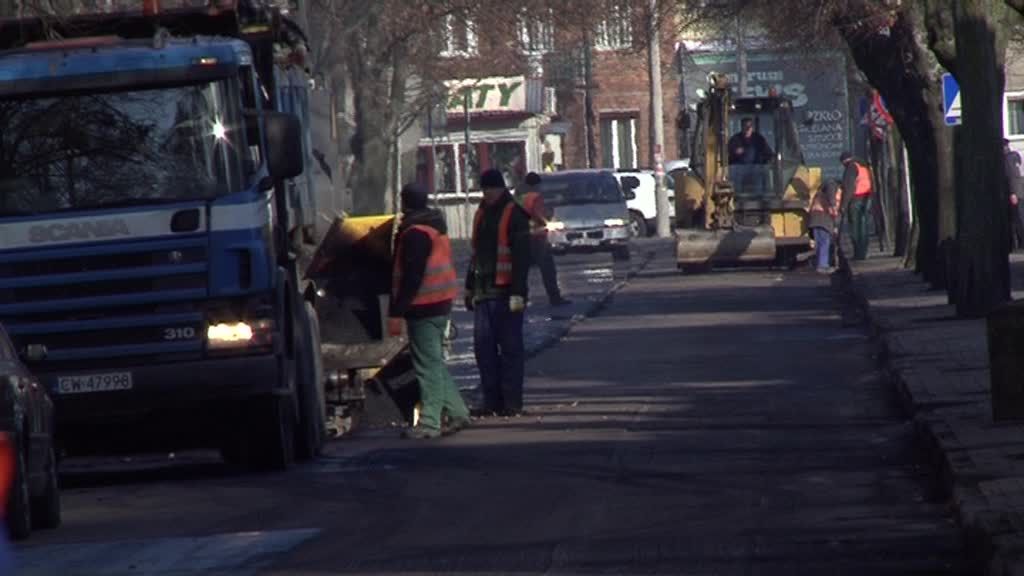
(623, 85)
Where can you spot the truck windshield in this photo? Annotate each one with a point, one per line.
(82, 151)
(583, 189)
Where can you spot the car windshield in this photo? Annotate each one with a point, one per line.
(80, 151)
(572, 189)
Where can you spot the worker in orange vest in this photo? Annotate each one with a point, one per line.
(423, 287)
(540, 250)
(857, 197)
(496, 290)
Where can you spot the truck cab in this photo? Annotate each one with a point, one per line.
(153, 182)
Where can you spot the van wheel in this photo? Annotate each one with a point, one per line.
(637, 224)
(19, 505)
(312, 428)
(46, 508)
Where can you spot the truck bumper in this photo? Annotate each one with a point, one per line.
(82, 396)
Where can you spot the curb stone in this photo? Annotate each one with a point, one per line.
(994, 545)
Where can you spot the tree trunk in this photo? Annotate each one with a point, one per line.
(897, 66)
(983, 270)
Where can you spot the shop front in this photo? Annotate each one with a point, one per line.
(504, 131)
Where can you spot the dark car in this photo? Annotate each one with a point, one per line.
(26, 417)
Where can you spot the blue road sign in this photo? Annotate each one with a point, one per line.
(951, 99)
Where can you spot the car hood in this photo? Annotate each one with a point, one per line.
(589, 215)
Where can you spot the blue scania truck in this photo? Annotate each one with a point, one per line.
(154, 201)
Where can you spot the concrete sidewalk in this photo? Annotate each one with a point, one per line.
(939, 364)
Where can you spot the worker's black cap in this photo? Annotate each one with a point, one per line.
(846, 155)
(491, 179)
(532, 180)
(414, 196)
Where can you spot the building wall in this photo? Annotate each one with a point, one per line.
(622, 91)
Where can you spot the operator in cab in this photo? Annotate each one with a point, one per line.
(749, 159)
(748, 146)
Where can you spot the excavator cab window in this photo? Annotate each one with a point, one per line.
(751, 148)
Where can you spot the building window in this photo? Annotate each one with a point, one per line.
(459, 37)
(615, 31)
(439, 176)
(536, 33)
(1015, 116)
(618, 142)
(510, 158)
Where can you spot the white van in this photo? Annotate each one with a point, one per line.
(643, 209)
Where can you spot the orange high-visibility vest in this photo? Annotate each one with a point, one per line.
(7, 471)
(503, 268)
(533, 203)
(440, 284)
(863, 181)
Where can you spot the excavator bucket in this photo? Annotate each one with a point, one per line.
(725, 246)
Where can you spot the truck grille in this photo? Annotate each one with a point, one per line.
(107, 301)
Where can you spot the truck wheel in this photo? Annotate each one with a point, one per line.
(19, 504)
(637, 224)
(311, 430)
(621, 253)
(46, 508)
(275, 425)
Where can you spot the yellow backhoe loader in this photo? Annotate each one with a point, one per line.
(749, 211)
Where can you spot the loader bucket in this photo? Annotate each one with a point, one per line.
(738, 245)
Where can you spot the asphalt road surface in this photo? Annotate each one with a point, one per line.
(718, 424)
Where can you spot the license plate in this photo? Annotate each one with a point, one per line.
(87, 383)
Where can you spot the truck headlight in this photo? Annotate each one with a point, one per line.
(555, 226)
(614, 222)
(238, 334)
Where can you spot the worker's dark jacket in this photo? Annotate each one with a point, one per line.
(483, 265)
(415, 250)
(755, 149)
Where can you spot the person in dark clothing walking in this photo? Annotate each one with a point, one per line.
(496, 290)
(1011, 165)
(822, 223)
(540, 250)
(424, 285)
(856, 205)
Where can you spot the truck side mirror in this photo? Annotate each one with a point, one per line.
(629, 194)
(630, 182)
(284, 145)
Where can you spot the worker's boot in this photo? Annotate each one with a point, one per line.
(456, 425)
(421, 433)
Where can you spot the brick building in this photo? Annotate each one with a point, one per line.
(526, 89)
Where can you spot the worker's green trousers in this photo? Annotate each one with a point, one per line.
(437, 389)
(860, 211)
